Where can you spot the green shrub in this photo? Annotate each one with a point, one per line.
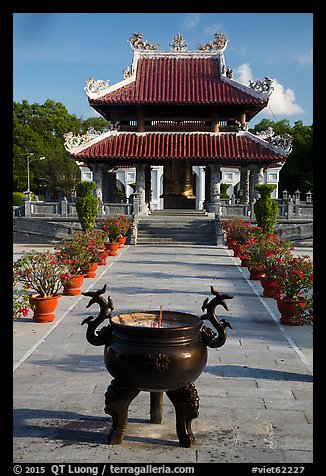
(266, 209)
(224, 190)
(18, 198)
(86, 205)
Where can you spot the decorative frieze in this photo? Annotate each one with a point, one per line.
(264, 86)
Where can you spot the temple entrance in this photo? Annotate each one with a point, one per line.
(178, 186)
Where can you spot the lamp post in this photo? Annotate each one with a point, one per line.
(28, 161)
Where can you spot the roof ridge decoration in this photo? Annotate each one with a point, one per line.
(178, 43)
(219, 44)
(136, 43)
(75, 143)
(281, 143)
(264, 86)
(142, 49)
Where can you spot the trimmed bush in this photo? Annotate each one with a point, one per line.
(266, 208)
(86, 204)
(224, 190)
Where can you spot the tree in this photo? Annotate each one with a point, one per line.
(39, 129)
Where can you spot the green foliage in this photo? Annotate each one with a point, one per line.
(297, 172)
(224, 189)
(85, 188)
(18, 198)
(39, 129)
(266, 208)
(86, 205)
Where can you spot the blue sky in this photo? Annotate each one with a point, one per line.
(55, 53)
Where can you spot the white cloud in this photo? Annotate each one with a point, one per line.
(281, 101)
(191, 20)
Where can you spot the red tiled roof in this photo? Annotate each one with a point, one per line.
(176, 145)
(177, 80)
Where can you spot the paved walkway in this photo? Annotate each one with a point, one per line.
(255, 392)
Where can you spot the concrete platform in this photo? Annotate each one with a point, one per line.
(255, 392)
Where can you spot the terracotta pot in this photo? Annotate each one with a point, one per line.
(271, 288)
(103, 255)
(112, 248)
(44, 307)
(73, 287)
(256, 274)
(237, 249)
(122, 241)
(244, 262)
(91, 273)
(288, 310)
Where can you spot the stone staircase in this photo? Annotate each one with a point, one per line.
(192, 227)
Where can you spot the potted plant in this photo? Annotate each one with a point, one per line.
(114, 227)
(125, 226)
(78, 252)
(238, 232)
(274, 251)
(98, 237)
(255, 252)
(42, 273)
(21, 305)
(295, 276)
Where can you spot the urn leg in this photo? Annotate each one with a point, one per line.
(186, 403)
(117, 400)
(156, 401)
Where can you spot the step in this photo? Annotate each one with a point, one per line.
(177, 226)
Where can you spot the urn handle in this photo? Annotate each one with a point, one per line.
(103, 336)
(210, 338)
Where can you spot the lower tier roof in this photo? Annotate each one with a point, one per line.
(229, 147)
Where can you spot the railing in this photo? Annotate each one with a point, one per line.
(65, 209)
(287, 209)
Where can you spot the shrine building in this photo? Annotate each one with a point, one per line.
(175, 122)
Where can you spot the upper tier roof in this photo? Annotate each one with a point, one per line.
(180, 80)
(179, 77)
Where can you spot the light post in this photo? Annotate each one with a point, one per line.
(28, 161)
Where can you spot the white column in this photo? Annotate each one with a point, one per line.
(200, 191)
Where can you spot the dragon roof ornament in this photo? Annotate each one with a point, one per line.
(94, 87)
(264, 86)
(219, 43)
(283, 142)
(136, 42)
(72, 142)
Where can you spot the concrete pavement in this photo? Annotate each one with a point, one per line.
(255, 392)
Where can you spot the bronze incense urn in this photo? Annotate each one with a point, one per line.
(154, 351)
